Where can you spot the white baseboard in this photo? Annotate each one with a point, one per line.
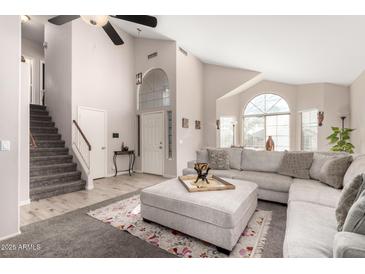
(119, 173)
(169, 176)
(25, 202)
(10, 236)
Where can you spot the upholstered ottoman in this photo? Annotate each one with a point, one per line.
(217, 217)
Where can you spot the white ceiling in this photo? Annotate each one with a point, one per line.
(290, 49)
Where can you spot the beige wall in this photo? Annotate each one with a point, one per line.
(189, 104)
(103, 78)
(10, 124)
(358, 113)
(330, 98)
(36, 52)
(217, 81)
(166, 60)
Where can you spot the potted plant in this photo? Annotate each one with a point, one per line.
(340, 139)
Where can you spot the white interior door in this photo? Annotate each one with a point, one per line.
(93, 123)
(153, 143)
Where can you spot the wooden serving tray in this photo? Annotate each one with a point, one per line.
(215, 183)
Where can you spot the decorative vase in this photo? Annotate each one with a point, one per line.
(202, 170)
(270, 145)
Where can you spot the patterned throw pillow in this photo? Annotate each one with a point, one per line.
(333, 171)
(348, 196)
(296, 164)
(355, 220)
(218, 159)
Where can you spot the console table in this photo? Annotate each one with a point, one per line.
(132, 158)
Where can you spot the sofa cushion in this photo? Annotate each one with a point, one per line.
(310, 230)
(357, 167)
(235, 156)
(296, 164)
(333, 171)
(229, 173)
(313, 191)
(202, 156)
(221, 208)
(355, 220)
(218, 159)
(348, 196)
(266, 161)
(266, 180)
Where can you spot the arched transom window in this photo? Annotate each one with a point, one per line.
(266, 115)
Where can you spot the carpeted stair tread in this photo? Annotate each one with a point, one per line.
(48, 151)
(43, 130)
(37, 123)
(56, 189)
(40, 117)
(33, 106)
(50, 143)
(52, 159)
(46, 136)
(40, 112)
(55, 178)
(51, 169)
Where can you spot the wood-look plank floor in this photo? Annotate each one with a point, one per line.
(104, 189)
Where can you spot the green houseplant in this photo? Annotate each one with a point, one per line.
(340, 139)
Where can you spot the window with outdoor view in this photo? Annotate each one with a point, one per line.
(266, 115)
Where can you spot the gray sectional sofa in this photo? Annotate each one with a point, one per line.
(311, 228)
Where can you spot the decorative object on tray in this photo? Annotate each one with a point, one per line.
(185, 123)
(202, 169)
(215, 183)
(124, 215)
(197, 124)
(270, 145)
(124, 148)
(320, 118)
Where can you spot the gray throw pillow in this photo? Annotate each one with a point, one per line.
(355, 220)
(235, 155)
(348, 196)
(318, 161)
(265, 161)
(296, 164)
(218, 159)
(202, 156)
(333, 171)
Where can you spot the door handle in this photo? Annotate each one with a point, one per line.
(160, 147)
(103, 148)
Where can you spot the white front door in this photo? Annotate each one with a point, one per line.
(93, 123)
(153, 143)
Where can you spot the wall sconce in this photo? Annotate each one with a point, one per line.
(218, 124)
(139, 78)
(320, 118)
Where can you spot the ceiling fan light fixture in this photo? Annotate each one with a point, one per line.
(24, 18)
(96, 20)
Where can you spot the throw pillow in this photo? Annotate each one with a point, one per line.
(202, 156)
(333, 171)
(235, 155)
(348, 196)
(296, 164)
(318, 161)
(355, 220)
(218, 159)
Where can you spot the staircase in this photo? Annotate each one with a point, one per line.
(52, 171)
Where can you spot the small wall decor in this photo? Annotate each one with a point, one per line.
(218, 123)
(197, 124)
(320, 118)
(139, 78)
(185, 123)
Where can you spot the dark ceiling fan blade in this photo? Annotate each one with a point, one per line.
(146, 20)
(63, 19)
(113, 34)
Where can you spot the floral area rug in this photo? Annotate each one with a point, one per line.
(125, 215)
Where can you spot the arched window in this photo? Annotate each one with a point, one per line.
(154, 91)
(266, 115)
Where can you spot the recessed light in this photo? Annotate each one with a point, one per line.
(24, 18)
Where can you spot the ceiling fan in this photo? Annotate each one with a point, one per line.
(103, 21)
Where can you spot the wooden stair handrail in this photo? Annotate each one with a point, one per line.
(32, 140)
(82, 134)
